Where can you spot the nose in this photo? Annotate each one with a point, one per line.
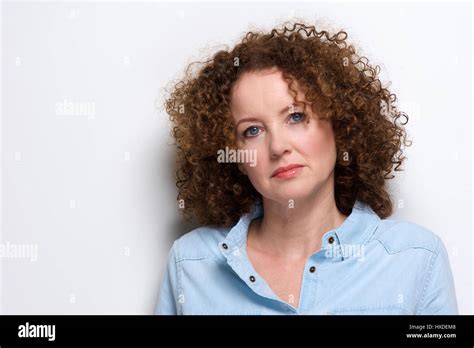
(279, 143)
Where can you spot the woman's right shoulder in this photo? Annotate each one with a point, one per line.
(200, 243)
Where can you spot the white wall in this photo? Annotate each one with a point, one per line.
(94, 191)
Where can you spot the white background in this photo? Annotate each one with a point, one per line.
(95, 193)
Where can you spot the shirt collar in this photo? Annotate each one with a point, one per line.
(354, 232)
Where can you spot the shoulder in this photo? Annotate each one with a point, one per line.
(399, 235)
(200, 243)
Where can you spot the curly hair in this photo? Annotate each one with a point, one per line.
(339, 85)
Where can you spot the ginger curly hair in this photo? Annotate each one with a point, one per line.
(340, 86)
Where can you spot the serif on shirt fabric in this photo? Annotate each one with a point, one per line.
(367, 265)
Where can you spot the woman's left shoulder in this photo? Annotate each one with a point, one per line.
(399, 235)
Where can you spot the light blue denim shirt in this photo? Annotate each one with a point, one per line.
(367, 265)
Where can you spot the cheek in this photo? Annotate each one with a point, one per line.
(259, 174)
(319, 145)
(260, 170)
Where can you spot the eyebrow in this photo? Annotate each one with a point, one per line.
(284, 110)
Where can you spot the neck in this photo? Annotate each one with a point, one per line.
(295, 233)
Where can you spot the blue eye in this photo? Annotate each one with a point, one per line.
(298, 115)
(251, 131)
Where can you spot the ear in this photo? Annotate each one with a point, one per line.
(242, 169)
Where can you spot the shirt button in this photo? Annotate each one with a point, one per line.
(331, 240)
(224, 246)
(252, 278)
(312, 269)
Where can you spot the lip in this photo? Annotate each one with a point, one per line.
(286, 171)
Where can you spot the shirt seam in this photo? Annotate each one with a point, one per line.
(380, 307)
(178, 275)
(394, 226)
(428, 275)
(371, 229)
(408, 247)
(196, 258)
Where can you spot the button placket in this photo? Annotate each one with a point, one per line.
(333, 247)
(235, 255)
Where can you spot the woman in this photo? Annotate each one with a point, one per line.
(285, 143)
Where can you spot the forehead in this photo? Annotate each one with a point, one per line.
(255, 92)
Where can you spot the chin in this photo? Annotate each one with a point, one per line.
(295, 193)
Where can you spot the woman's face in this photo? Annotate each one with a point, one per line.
(278, 133)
